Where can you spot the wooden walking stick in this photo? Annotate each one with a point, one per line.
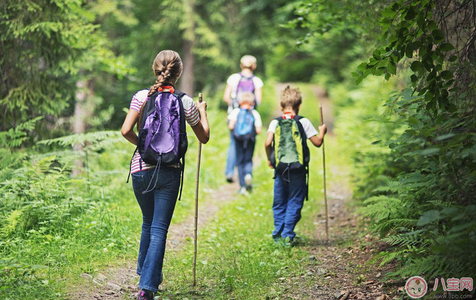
(195, 233)
(324, 168)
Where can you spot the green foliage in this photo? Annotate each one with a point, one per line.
(84, 139)
(47, 46)
(412, 34)
(40, 198)
(54, 226)
(14, 137)
(427, 202)
(39, 202)
(43, 211)
(40, 41)
(10, 156)
(422, 206)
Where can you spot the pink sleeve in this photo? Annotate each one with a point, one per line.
(138, 99)
(192, 115)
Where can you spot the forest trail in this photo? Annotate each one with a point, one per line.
(338, 268)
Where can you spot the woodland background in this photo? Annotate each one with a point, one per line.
(400, 74)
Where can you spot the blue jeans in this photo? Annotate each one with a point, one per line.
(289, 194)
(157, 208)
(231, 159)
(244, 159)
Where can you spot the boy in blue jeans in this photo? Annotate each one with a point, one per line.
(245, 123)
(288, 154)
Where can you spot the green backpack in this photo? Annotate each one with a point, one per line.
(290, 152)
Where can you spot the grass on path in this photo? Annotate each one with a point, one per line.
(237, 257)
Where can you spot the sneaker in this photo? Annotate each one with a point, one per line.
(229, 178)
(242, 191)
(289, 242)
(145, 295)
(248, 181)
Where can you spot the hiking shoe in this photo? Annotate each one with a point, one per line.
(243, 191)
(229, 178)
(289, 242)
(248, 181)
(145, 295)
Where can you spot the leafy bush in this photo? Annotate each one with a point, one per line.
(417, 178)
(39, 197)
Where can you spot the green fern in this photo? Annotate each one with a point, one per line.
(14, 137)
(407, 239)
(83, 139)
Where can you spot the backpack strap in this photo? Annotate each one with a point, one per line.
(249, 78)
(146, 106)
(305, 150)
(183, 129)
(182, 174)
(130, 165)
(235, 101)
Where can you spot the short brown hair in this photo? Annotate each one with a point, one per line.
(291, 98)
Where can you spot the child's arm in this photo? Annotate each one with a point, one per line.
(259, 95)
(258, 123)
(267, 145)
(127, 129)
(232, 118)
(202, 128)
(227, 94)
(317, 140)
(231, 124)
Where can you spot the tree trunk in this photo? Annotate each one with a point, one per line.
(187, 83)
(79, 124)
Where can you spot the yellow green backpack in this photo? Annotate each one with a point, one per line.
(290, 152)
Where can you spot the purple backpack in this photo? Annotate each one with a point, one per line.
(245, 85)
(162, 139)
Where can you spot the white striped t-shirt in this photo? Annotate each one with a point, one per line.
(191, 115)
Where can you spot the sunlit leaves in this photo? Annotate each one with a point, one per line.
(414, 35)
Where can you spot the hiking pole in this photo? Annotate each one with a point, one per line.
(324, 168)
(196, 208)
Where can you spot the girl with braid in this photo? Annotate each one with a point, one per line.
(157, 205)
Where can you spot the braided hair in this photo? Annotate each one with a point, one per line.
(167, 67)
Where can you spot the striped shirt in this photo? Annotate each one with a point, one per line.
(192, 116)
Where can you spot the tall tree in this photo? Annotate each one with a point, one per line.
(48, 46)
(187, 83)
(40, 42)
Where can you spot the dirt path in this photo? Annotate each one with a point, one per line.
(338, 268)
(120, 282)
